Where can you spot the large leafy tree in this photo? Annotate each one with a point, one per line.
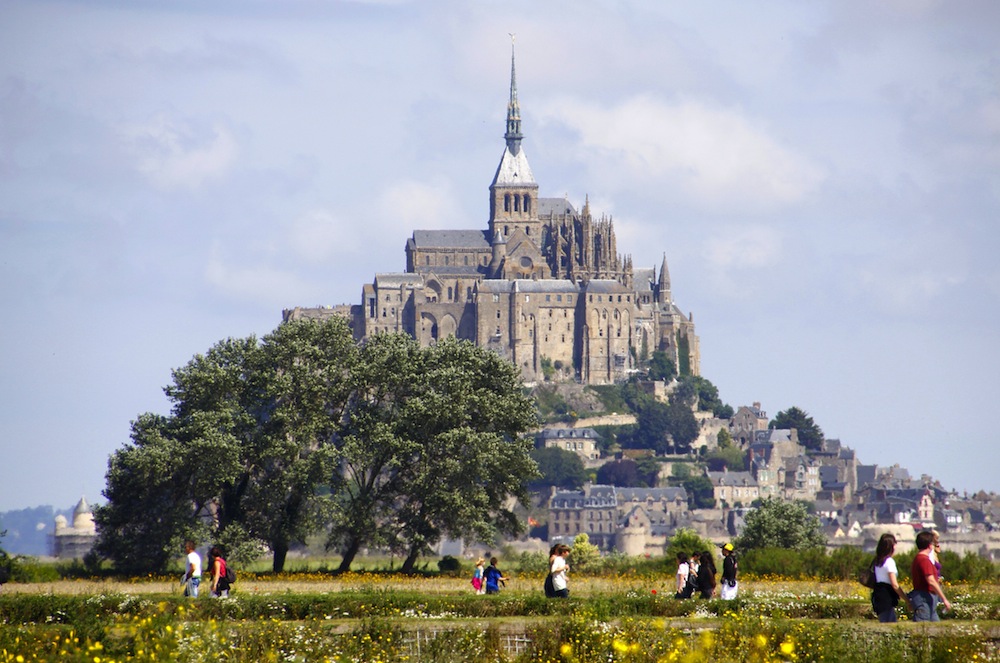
(248, 444)
(780, 524)
(433, 446)
(810, 434)
(388, 444)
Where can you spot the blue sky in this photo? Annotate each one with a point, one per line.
(823, 178)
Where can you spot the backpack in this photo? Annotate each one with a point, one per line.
(230, 574)
(867, 577)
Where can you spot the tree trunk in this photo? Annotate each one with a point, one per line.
(349, 554)
(410, 561)
(280, 552)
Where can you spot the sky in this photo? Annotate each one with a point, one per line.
(823, 178)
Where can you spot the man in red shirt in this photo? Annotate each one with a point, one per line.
(926, 588)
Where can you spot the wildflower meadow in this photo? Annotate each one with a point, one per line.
(383, 617)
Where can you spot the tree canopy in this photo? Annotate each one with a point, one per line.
(559, 468)
(387, 444)
(810, 434)
(780, 524)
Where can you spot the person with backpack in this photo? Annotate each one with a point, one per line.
(221, 573)
(887, 592)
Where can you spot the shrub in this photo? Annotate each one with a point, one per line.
(449, 564)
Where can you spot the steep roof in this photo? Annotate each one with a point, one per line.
(450, 239)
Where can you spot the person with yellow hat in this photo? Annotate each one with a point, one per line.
(729, 570)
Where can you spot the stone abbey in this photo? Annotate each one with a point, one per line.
(543, 286)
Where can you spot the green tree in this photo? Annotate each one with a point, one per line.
(453, 416)
(730, 458)
(661, 367)
(624, 473)
(780, 524)
(701, 494)
(559, 468)
(810, 434)
(243, 455)
(584, 554)
(686, 541)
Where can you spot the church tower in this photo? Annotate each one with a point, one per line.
(514, 192)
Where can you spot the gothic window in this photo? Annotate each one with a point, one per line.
(427, 260)
(466, 259)
(505, 231)
(527, 203)
(527, 230)
(517, 203)
(449, 293)
(446, 260)
(506, 206)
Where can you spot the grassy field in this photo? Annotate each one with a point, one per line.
(386, 617)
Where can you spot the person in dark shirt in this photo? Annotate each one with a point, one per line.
(706, 575)
(494, 578)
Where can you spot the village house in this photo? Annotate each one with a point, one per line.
(630, 520)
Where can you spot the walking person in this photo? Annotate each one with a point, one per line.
(684, 584)
(706, 575)
(559, 570)
(217, 568)
(887, 592)
(926, 587)
(729, 570)
(494, 577)
(478, 576)
(192, 570)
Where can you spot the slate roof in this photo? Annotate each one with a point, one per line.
(450, 239)
(557, 206)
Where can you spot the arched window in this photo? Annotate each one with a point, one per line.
(506, 202)
(527, 230)
(517, 203)
(527, 203)
(449, 293)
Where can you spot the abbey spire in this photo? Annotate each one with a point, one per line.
(514, 192)
(513, 135)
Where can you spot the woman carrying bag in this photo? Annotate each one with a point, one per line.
(887, 592)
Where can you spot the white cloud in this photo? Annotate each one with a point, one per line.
(717, 156)
(319, 235)
(176, 154)
(899, 285)
(738, 249)
(256, 283)
(410, 205)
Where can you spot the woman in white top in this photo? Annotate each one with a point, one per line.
(683, 571)
(887, 592)
(559, 569)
